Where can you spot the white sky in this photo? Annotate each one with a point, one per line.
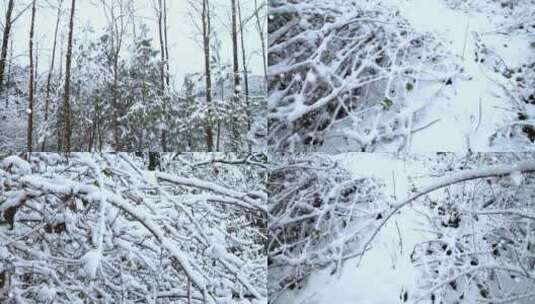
(185, 53)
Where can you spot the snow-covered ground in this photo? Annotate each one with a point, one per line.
(470, 110)
(450, 234)
(458, 77)
(386, 271)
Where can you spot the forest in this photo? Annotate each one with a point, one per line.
(133, 228)
(132, 75)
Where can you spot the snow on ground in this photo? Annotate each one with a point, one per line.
(386, 271)
(475, 94)
(471, 109)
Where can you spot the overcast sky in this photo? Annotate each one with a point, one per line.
(186, 56)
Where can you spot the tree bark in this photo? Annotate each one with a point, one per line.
(164, 79)
(236, 77)
(154, 161)
(245, 71)
(66, 103)
(167, 75)
(162, 49)
(9, 66)
(206, 43)
(49, 77)
(31, 85)
(5, 41)
(260, 30)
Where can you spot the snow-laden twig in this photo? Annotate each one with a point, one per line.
(491, 171)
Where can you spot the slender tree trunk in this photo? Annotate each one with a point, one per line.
(164, 79)
(115, 94)
(117, 32)
(66, 103)
(245, 71)
(206, 44)
(49, 77)
(31, 85)
(236, 76)
(36, 67)
(162, 49)
(260, 30)
(167, 74)
(9, 66)
(218, 141)
(5, 41)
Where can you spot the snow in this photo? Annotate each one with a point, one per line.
(455, 96)
(467, 112)
(91, 263)
(385, 271)
(20, 166)
(100, 220)
(46, 293)
(517, 178)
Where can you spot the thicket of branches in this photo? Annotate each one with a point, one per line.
(344, 69)
(317, 214)
(101, 228)
(484, 248)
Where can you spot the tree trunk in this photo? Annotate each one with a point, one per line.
(206, 44)
(167, 75)
(5, 41)
(245, 71)
(117, 32)
(66, 103)
(9, 66)
(31, 85)
(164, 79)
(236, 76)
(154, 161)
(260, 29)
(115, 103)
(162, 49)
(49, 78)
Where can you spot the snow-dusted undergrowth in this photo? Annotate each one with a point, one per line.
(482, 249)
(394, 75)
(345, 69)
(99, 228)
(460, 231)
(317, 213)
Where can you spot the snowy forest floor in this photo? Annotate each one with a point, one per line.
(395, 269)
(460, 81)
(468, 112)
(386, 270)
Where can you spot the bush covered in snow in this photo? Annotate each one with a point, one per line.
(317, 212)
(344, 69)
(100, 228)
(484, 248)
